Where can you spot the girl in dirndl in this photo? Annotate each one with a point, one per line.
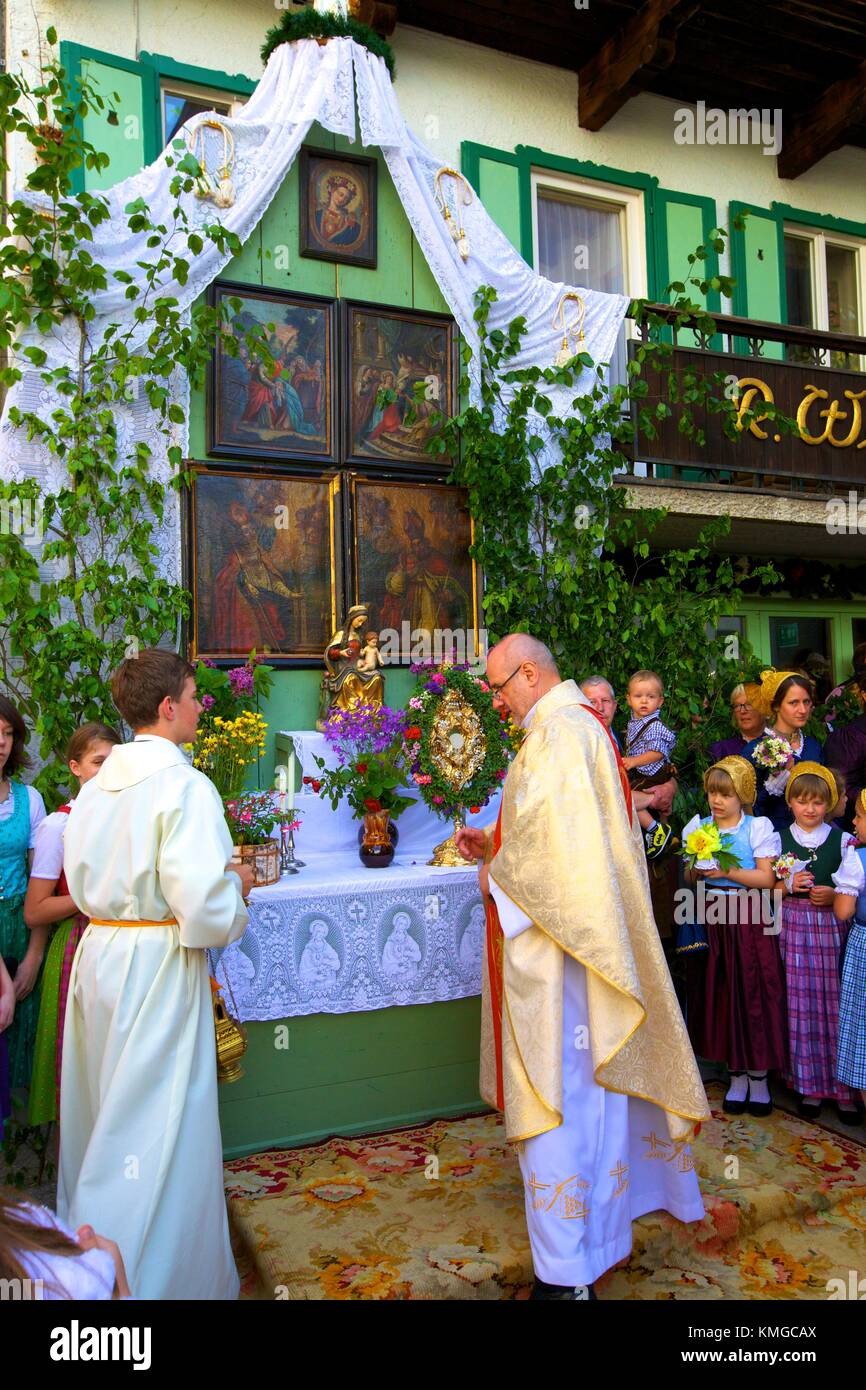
(850, 902)
(811, 940)
(21, 812)
(744, 1019)
(48, 903)
(7, 1013)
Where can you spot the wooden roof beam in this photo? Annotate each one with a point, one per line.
(630, 59)
(812, 134)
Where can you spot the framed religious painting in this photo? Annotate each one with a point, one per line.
(338, 207)
(264, 563)
(400, 373)
(282, 406)
(410, 562)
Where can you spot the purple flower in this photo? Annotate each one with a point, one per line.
(241, 681)
(364, 731)
(207, 701)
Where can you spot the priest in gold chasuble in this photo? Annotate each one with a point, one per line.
(583, 1045)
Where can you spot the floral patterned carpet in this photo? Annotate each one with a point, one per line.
(436, 1212)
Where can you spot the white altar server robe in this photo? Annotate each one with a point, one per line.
(608, 1163)
(140, 1147)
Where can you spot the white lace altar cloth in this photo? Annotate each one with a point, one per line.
(303, 82)
(341, 938)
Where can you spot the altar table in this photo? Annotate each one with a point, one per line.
(340, 938)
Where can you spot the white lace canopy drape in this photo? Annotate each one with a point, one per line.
(304, 82)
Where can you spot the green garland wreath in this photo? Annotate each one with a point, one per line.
(421, 712)
(311, 25)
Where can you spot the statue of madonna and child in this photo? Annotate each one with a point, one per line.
(352, 661)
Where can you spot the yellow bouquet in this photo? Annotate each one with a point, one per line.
(707, 848)
(227, 747)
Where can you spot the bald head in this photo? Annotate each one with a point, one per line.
(524, 669)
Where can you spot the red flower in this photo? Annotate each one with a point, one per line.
(314, 784)
(414, 732)
(474, 810)
(362, 768)
(306, 781)
(372, 804)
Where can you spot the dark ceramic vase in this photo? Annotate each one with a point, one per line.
(377, 837)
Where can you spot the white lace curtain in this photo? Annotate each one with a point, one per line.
(305, 82)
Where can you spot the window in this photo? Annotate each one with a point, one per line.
(590, 234)
(179, 101)
(800, 643)
(825, 276)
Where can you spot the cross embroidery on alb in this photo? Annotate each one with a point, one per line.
(535, 1187)
(675, 1152)
(620, 1172)
(568, 1205)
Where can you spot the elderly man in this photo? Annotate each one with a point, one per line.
(657, 833)
(583, 1045)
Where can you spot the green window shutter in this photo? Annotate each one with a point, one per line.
(128, 135)
(681, 222)
(495, 176)
(758, 266)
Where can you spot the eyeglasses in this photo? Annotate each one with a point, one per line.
(497, 689)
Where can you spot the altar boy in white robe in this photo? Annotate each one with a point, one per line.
(146, 851)
(583, 1046)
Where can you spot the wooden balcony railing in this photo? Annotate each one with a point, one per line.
(813, 377)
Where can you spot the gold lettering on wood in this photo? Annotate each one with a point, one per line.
(830, 414)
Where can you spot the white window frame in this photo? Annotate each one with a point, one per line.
(819, 240)
(198, 93)
(629, 202)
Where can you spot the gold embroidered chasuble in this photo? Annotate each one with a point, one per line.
(573, 862)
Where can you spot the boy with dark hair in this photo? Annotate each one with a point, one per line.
(146, 850)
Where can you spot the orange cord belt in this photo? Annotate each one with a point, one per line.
(133, 922)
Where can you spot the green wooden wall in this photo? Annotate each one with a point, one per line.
(352, 1073)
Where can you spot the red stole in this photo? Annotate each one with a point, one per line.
(495, 937)
(494, 969)
(623, 775)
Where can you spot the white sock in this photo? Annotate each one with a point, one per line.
(758, 1088)
(738, 1087)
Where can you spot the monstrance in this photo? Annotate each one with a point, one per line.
(458, 747)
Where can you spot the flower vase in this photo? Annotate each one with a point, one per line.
(264, 860)
(392, 831)
(377, 847)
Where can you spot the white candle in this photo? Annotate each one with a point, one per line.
(281, 780)
(291, 779)
(283, 802)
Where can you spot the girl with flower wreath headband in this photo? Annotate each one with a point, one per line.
(812, 940)
(743, 1021)
(849, 904)
(786, 699)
